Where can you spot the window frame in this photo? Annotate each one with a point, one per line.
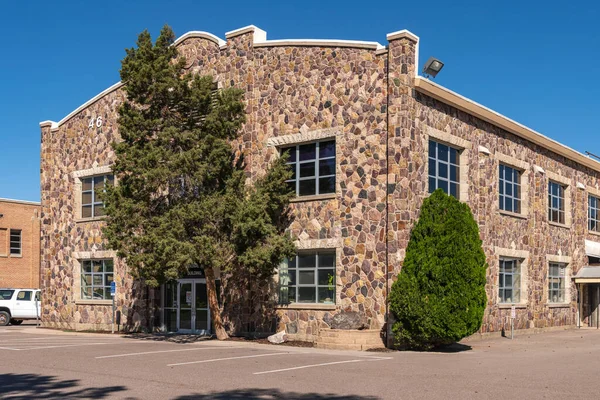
(596, 209)
(104, 286)
(19, 232)
(562, 282)
(92, 191)
(502, 288)
(297, 163)
(449, 165)
(562, 201)
(285, 279)
(502, 185)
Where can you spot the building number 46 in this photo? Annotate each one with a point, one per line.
(98, 122)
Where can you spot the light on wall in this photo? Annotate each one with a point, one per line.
(432, 67)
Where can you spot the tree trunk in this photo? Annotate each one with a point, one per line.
(213, 304)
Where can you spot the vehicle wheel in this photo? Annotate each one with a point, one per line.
(16, 321)
(4, 318)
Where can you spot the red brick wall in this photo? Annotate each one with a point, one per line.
(20, 271)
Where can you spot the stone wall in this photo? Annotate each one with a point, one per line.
(365, 98)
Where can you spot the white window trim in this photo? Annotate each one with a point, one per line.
(551, 258)
(523, 255)
(78, 176)
(590, 191)
(566, 182)
(525, 169)
(79, 256)
(463, 146)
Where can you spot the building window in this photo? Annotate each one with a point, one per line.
(91, 187)
(15, 242)
(443, 168)
(556, 282)
(313, 167)
(509, 280)
(556, 202)
(96, 276)
(593, 216)
(510, 189)
(308, 278)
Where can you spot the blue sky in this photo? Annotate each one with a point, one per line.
(537, 62)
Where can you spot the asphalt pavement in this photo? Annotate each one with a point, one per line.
(41, 363)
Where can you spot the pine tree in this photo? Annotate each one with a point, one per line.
(439, 297)
(181, 197)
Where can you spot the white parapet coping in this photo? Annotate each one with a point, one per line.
(357, 44)
(202, 35)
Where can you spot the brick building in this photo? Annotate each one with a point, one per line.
(370, 139)
(19, 244)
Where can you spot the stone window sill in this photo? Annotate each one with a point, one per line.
(594, 233)
(509, 306)
(328, 196)
(558, 305)
(306, 306)
(94, 302)
(92, 219)
(512, 214)
(15, 255)
(565, 226)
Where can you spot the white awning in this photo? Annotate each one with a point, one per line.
(588, 274)
(592, 248)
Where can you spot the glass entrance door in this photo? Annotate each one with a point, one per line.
(202, 314)
(186, 306)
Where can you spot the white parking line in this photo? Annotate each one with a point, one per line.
(51, 347)
(227, 358)
(321, 365)
(161, 351)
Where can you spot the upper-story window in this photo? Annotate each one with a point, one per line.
(510, 189)
(444, 168)
(313, 167)
(556, 202)
(593, 215)
(15, 242)
(91, 187)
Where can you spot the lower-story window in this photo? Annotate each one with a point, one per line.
(96, 276)
(557, 282)
(509, 280)
(308, 277)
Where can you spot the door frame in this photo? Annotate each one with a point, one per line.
(193, 330)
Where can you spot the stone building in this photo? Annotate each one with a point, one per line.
(369, 140)
(19, 244)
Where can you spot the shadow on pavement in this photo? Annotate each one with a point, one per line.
(270, 394)
(32, 386)
(168, 337)
(452, 348)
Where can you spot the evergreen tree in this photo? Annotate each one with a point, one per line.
(181, 196)
(439, 297)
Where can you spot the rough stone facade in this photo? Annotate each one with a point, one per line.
(364, 95)
(20, 270)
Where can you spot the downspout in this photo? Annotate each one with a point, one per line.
(387, 197)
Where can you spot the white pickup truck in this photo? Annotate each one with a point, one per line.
(17, 305)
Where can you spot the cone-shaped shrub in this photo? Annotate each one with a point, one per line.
(439, 297)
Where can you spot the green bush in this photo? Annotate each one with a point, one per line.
(439, 297)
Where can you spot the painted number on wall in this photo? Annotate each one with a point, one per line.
(97, 122)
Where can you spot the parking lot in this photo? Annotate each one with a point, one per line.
(40, 363)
